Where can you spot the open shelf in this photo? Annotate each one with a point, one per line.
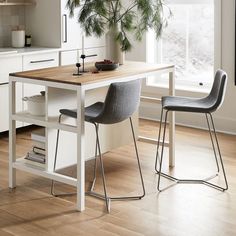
(30, 164)
(17, 3)
(51, 122)
(21, 164)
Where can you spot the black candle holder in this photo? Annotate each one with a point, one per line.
(78, 65)
(83, 57)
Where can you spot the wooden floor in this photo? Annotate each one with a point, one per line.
(181, 210)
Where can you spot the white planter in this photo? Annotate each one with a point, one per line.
(113, 49)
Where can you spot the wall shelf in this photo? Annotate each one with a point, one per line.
(17, 3)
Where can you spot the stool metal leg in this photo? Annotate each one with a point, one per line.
(158, 140)
(195, 181)
(102, 171)
(91, 192)
(105, 197)
(138, 160)
(219, 152)
(55, 158)
(95, 164)
(54, 167)
(212, 142)
(98, 148)
(162, 152)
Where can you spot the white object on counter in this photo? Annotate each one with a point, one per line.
(18, 38)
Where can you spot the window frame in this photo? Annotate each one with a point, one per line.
(150, 88)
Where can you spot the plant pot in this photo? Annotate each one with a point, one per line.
(113, 49)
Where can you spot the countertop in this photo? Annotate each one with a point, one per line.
(64, 74)
(8, 52)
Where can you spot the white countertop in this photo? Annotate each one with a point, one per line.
(25, 51)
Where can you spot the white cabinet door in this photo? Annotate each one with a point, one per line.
(73, 56)
(101, 54)
(4, 105)
(35, 62)
(40, 61)
(69, 57)
(71, 35)
(93, 42)
(8, 65)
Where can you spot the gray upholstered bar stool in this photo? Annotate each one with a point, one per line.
(206, 106)
(122, 100)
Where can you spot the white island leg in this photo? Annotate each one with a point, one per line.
(172, 122)
(80, 150)
(12, 134)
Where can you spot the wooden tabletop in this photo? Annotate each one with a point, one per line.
(64, 74)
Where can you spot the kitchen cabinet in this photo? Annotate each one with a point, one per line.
(39, 61)
(69, 57)
(94, 42)
(17, 3)
(71, 35)
(17, 63)
(50, 24)
(100, 51)
(35, 62)
(4, 106)
(73, 56)
(7, 65)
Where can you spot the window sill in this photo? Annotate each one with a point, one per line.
(180, 88)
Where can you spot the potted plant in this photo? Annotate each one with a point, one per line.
(119, 18)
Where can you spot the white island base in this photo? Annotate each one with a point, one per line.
(77, 142)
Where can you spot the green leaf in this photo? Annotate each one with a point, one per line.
(126, 45)
(137, 16)
(71, 5)
(127, 22)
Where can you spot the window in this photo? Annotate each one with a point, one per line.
(189, 42)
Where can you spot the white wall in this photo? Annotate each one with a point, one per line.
(10, 17)
(225, 118)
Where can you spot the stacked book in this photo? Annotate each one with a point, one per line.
(36, 156)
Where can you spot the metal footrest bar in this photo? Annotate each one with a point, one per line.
(216, 150)
(194, 181)
(63, 194)
(60, 194)
(98, 195)
(91, 192)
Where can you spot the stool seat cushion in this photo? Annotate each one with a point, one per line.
(207, 104)
(185, 104)
(91, 112)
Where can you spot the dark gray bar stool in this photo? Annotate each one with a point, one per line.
(206, 106)
(122, 100)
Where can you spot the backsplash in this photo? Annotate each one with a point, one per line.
(10, 17)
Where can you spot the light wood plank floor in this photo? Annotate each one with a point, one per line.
(181, 210)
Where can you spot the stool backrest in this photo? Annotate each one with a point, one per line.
(217, 93)
(122, 100)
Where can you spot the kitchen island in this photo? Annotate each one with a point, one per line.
(63, 90)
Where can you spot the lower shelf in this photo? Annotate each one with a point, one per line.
(30, 164)
(23, 165)
(51, 122)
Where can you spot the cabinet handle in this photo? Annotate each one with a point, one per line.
(65, 28)
(48, 60)
(4, 83)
